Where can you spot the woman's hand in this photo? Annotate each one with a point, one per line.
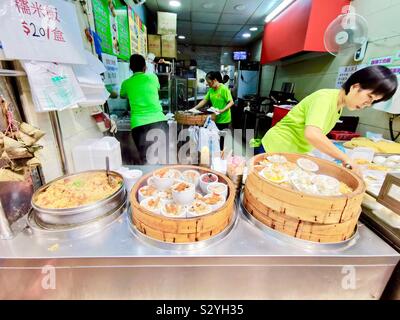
(316, 138)
(353, 166)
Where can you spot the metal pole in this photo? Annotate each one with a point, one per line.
(5, 229)
(55, 123)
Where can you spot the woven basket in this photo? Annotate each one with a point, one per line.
(192, 119)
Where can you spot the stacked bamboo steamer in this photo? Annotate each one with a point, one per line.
(183, 230)
(305, 216)
(190, 119)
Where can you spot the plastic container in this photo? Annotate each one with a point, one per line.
(130, 178)
(362, 153)
(91, 154)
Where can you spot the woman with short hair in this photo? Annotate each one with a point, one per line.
(305, 127)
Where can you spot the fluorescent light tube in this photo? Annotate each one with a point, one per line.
(284, 4)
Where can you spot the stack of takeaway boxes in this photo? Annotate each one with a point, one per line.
(163, 44)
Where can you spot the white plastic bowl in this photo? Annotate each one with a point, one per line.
(181, 214)
(195, 180)
(211, 188)
(185, 197)
(162, 183)
(203, 184)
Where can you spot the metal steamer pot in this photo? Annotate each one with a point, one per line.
(81, 214)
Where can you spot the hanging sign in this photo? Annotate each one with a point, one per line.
(43, 30)
(138, 33)
(124, 47)
(101, 12)
(381, 61)
(111, 64)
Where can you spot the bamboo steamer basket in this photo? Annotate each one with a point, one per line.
(182, 230)
(188, 119)
(305, 216)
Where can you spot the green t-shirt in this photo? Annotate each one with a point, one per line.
(142, 91)
(219, 99)
(318, 109)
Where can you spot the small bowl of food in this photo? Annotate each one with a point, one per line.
(176, 174)
(165, 195)
(163, 178)
(326, 185)
(191, 176)
(146, 192)
(214, 200)
(206, 179)
(218, 188)
(152, 204)
(276, 158)
(198, 208)
(173, 210)
(276, 176)
(183, 193)
(307, 165)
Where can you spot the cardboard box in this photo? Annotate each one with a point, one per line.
(168, 46)
(166, 23)
(154, 44)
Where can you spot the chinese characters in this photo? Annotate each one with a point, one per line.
(36, 10)
(379, 61)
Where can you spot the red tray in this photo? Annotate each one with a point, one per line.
(343, 135)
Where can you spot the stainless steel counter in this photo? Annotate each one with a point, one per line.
(246, 264)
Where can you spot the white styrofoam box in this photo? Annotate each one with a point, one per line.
(362, 153)
(81, 155)
(91, 154)
(107, 146)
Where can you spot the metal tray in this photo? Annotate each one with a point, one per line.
(305, 244)
(52, 220)
(104, 206)
(181, 246)
(75, 231)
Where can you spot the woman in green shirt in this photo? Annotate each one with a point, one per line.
(146, 112)
(221, 99)
(305, 127)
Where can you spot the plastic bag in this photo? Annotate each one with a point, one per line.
(208, 142)
(209, 137)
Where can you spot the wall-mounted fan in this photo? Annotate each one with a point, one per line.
(348, 33)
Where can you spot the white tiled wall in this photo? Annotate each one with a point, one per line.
(384, 36)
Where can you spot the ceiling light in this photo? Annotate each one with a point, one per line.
(174, 3)
(208, 5)
(284, 4)
(246, 35)
(181, 37)
(240, 7)
(253, 29)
